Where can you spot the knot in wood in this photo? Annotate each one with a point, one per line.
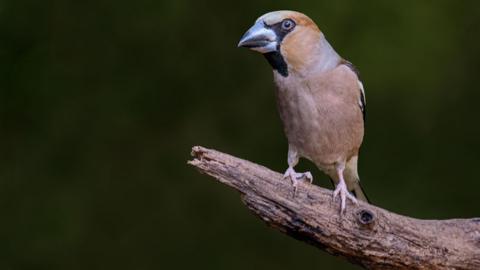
(366, 217)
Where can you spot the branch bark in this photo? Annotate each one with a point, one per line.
(365, 235)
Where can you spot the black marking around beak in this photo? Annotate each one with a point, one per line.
(275, 59)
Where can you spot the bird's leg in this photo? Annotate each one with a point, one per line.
(342, 189)
(294, 176)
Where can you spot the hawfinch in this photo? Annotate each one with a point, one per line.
(320, 99)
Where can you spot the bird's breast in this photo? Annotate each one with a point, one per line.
(318, 120)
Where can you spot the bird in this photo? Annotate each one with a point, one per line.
(319, 96)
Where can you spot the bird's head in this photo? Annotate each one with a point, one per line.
(288, 39)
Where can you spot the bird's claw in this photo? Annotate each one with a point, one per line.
(308, 176)
(344, 194)
(296, 177)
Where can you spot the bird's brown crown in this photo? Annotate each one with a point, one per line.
(278, 16)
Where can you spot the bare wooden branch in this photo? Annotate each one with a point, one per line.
(366, 235)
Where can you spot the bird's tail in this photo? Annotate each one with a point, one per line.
(353, 180)
(358, 192)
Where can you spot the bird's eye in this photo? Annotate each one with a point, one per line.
(287, 24)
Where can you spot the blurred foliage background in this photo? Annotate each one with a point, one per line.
(102, 100)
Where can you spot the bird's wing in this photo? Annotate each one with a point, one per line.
(362, 102)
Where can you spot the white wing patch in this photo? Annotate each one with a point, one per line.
(362, 101)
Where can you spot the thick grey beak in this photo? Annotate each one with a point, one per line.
(259, 38)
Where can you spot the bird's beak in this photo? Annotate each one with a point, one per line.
(259, 38)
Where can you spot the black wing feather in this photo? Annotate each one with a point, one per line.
(363, 103)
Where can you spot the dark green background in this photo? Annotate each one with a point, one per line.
(101, 102)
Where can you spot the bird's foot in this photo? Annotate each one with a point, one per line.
(344, 194)
(296, 177)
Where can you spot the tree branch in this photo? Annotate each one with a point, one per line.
(366, 235)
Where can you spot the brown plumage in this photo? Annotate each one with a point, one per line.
(319, 96)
